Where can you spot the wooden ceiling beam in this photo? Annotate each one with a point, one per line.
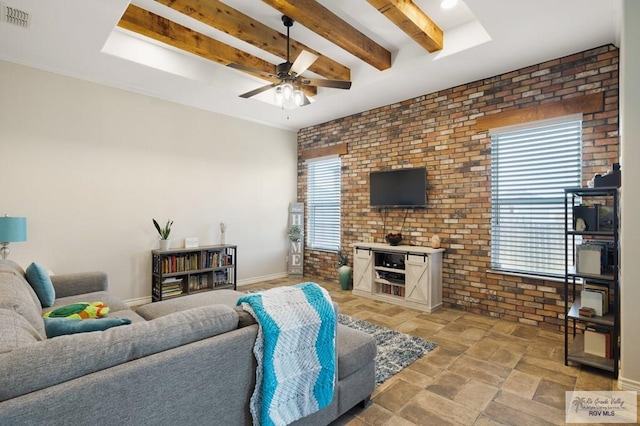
(233, 22)
(163, 30)
(413, 21)
(322, 21)
(585, 104)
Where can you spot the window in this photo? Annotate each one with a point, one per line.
(323, 203)
(530, 168)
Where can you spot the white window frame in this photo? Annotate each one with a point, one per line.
(531, 165)
(324, 176)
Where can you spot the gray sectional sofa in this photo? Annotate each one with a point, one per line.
(181, 361)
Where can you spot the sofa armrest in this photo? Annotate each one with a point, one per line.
(79, 283)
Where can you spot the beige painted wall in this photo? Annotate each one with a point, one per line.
(89, 166)
(630, 150)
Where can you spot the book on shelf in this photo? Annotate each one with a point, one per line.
(391, 289)
(171, 286)
(597, 341)
(592, 299)
(602, 289)
(588, 259)
(199, 282)
(221, 278)
(210, 259)
(180, 262)
(192, 261)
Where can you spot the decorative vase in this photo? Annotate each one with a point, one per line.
(393, 239)
(435, 241)
(344, 272)
(164, 244)
(223, 233)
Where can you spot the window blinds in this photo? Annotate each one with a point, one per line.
(323, 203)
(530, 168)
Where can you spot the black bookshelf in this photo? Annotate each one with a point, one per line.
(179, 272)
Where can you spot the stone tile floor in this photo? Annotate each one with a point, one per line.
(485, 371)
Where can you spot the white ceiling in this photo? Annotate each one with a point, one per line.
(483, 38)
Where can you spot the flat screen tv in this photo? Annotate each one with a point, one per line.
(398, 188)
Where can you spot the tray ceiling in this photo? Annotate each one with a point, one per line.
(391, 50)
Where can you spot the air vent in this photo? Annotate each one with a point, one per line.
(14, 16)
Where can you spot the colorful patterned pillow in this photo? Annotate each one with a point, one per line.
(81, 310)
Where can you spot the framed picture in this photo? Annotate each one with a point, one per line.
(191, 242)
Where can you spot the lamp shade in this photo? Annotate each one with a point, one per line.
(13, 229)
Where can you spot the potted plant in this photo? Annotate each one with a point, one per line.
(344, 270)
(164, 233)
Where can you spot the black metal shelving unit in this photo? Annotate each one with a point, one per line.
(574, 341)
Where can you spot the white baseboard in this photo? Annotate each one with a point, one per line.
(254, 280)
(628, 384)
(138, 301)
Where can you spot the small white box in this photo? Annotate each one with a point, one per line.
(588, 259)
(592, 299)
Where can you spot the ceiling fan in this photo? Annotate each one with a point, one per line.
(288, 91)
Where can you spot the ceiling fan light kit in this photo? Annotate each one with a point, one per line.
(288, 97)
(288, 92)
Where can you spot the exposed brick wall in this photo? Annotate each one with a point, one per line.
(437, 131)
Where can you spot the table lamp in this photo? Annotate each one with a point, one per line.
(12, 229)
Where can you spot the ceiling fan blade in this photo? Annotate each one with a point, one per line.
(303, 61)
(251, 70)
(321, 82)
(258, 90)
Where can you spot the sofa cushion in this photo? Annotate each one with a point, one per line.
(355, 349)
(165, 307)
(15, 331)
(126, 313)
(12, 267)
(79, 283)
(39, 279)
(25, 370)
(63, 326)
(16, 294)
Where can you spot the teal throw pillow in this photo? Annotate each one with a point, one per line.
(39, 279)
(60, 326)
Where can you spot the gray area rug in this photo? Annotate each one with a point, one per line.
(395, 350)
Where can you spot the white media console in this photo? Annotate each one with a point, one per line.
(410, 276)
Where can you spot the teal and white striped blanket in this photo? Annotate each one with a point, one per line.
(295, 352)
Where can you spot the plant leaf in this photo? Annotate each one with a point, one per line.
(155, 223)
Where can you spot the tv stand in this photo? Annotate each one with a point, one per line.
(410, 276)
